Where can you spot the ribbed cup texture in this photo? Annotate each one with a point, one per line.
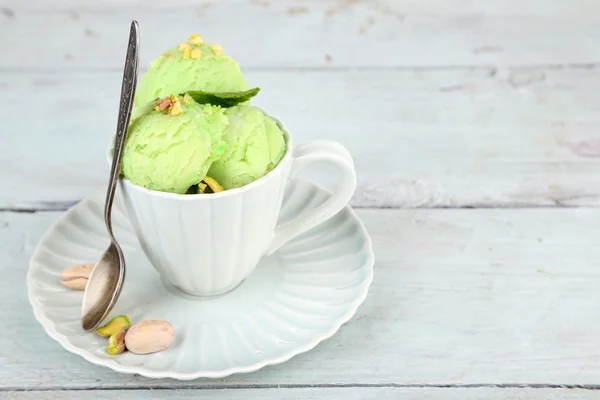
(202, 244)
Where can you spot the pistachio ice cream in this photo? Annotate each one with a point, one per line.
(193, 130)
(172, 142)
(254, 145)
(192, 65)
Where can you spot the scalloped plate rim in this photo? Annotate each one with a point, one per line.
(50, 329)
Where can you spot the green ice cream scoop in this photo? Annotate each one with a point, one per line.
(254, 146)
(172, 142)
(193, 65)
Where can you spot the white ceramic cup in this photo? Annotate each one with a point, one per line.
(207, 244)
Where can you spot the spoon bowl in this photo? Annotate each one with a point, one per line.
(104, 287)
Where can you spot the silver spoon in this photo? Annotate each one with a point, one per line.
(106, 280)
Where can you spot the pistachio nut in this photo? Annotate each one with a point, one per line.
(116, 342)
(114, 325)
(149, 336)
(76, 276)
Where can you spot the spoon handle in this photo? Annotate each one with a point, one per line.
(130, 75)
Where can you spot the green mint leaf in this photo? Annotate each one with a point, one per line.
(225, 99)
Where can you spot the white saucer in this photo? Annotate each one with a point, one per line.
(292, 301)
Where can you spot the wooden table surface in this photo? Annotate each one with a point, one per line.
(475, 129)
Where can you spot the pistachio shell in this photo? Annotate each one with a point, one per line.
(149, 336)
(79, 270)
(76, 276)
(77, 282)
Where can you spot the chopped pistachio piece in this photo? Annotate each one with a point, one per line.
(196, 53)
(214, 185)
(196, 39)
(163, 104)
(175, 109)
(217, 49)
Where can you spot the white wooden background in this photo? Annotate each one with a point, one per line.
(475, 128)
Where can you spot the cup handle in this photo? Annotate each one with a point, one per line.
(318, 151)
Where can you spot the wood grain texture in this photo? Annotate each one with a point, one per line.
(458, 297)
(316, 393)
(312, 33)
(420, 138)
(443, 103)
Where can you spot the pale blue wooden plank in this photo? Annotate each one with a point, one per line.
(458, 297)
(353, 393)
(313, 33)
(422, 138)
